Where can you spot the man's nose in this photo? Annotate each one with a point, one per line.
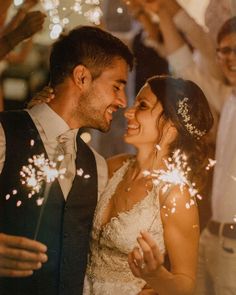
(122, 100)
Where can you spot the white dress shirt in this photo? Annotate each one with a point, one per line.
(221, 97)
(50, 125)
(224, 181)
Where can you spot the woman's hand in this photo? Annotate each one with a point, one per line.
(45, 95)
(146, 261)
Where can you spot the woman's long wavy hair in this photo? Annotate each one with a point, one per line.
(170, 91)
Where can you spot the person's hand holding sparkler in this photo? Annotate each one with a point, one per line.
(19, 256)
(146, 260)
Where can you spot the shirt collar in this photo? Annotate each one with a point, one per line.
(53, 125)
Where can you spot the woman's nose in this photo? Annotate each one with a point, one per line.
(129, 112)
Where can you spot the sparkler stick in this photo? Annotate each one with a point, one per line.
(45, 197)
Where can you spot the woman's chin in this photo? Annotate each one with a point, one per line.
(129, 139)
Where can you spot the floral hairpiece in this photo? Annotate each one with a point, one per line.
(183, 110)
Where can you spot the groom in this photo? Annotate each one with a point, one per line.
(89, 69)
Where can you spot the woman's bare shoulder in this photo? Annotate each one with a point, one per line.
(115, 162)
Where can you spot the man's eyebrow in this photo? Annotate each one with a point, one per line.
(121, 81)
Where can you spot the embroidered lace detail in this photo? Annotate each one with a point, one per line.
(108, 271)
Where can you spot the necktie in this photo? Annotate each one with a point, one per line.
(67, 149)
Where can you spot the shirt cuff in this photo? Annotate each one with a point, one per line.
(180, 59)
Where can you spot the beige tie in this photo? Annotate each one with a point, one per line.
(67, 149)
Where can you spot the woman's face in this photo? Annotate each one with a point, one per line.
(144, 120)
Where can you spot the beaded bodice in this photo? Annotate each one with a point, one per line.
(108, 270)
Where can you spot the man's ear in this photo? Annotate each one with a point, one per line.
(81, 76)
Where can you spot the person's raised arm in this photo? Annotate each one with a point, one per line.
(195, 35)
(32, 23)
(18, 17)
(172, 38)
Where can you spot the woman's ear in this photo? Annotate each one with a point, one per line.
(82, 76)
(169, 132)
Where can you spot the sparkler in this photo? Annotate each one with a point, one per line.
(38, 172)
(176, 172)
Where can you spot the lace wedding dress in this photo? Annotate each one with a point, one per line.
(108, 271)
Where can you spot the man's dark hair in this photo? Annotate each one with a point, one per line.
(88, 46)
(227, 28)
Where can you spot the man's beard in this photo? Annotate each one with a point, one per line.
(90, 116)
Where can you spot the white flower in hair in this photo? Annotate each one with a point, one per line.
(183, 111)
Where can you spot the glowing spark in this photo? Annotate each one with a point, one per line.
(50, 4)
(32, 142)
(7, 197)
(93, 15)
(18, 2)
(92, 2)
(80, 172)
(18, 204)
(38, 171)
(120, 10)
(199, 197)
(176, 172)
(210, 164)
(39, 201)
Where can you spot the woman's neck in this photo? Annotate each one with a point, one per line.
(149, 159)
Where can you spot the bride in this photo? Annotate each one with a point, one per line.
(138, 221)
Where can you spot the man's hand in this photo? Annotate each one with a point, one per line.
(20, 256)
(45, 95)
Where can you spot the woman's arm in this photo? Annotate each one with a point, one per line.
(181, 235)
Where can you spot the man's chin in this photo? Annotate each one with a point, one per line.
(105, 129)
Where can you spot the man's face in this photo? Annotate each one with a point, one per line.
(104, 97)
(227, 57)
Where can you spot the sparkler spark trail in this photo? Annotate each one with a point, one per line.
(176, 172)
(39, 171)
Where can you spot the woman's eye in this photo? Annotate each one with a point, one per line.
(116, 88)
